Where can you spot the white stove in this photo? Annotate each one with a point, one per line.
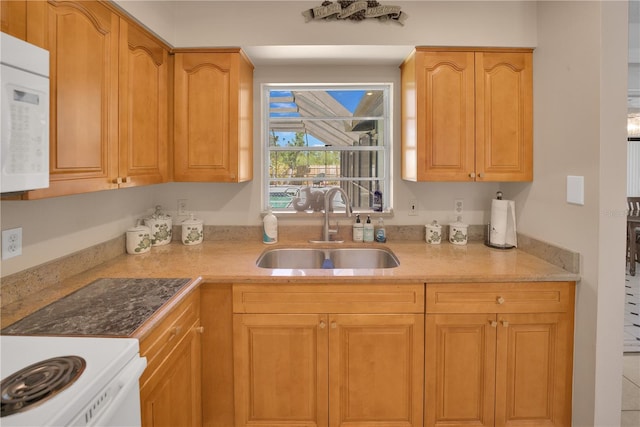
(105, 391)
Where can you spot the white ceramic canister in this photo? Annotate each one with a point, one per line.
(458, 233)
(160, 226)
(192, 232)
(138, 239)
(433, 233)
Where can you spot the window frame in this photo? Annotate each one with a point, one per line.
(385, 179)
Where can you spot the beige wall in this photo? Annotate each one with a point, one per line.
(580, 129)
(579, 107)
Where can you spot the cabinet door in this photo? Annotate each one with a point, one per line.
(445, 114)
(504, 116)
(143, 108)
(171, 397)
(534, 369)
(460, 369)
(82, 38)
(212, 117)
(376, 370)
(13, 18)
(280, 369)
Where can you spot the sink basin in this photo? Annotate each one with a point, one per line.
(305, 258)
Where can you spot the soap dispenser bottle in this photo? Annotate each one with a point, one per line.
(270, 228)
(380, 232)
(368, 230)
(358, 230)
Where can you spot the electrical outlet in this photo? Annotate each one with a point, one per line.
(413, 207)
(182, 207)
(11, 243)
(458, 205)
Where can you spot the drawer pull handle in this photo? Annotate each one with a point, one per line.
(505, 323)
(334, 325)
(175, 330)
(500, 300)
(494, 324)
(322, 324)
(200, 329)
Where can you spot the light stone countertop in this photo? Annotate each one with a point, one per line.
(234, 262)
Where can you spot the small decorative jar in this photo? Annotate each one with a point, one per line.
(433, 233)
(138, 239)
(458, 233)
(192, 233)
(160, 226)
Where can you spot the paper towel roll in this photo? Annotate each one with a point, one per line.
(503, 223)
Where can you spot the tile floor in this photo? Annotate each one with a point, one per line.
(632, 313)
(631, 358)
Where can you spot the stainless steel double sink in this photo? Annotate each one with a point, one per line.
(308, 258)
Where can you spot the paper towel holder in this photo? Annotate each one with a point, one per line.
(487, 241)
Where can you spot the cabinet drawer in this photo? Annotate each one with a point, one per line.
(529, 297)
(269, 298)
(166, 335)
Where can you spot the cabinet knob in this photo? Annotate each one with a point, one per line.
(505, 323)
(494, 324)
(118, 180)
(334, 325)
(128, 180)
(472, 175)
(500, 300)
(200, 329)
(481, 175)
(175, 330)
(322, 324)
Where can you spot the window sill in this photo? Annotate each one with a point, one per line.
(293, 215)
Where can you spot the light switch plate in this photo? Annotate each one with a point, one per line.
(575, 190)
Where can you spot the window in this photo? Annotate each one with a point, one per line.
(319, 137)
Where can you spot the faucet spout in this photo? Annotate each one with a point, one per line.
(328, 207)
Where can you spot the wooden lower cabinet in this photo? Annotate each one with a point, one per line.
(321, 369)
(170, 387)
(512, 367)
(171, 397)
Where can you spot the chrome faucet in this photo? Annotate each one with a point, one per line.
(328, 200)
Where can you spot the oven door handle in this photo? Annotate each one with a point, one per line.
(121, 386)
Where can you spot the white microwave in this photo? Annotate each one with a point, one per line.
(24, 115)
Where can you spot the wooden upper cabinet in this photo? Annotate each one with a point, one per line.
(13, 18)
(467, 115)
(82, 39)
(504, 116)
(109, 97)
(213, 136)
(143, 112)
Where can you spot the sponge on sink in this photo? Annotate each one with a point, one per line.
(327, 263)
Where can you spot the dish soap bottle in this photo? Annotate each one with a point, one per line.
(270, 228)
(380, 233)
(358, 230)
(368, 230)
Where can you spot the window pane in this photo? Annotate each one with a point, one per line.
(324, 137)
